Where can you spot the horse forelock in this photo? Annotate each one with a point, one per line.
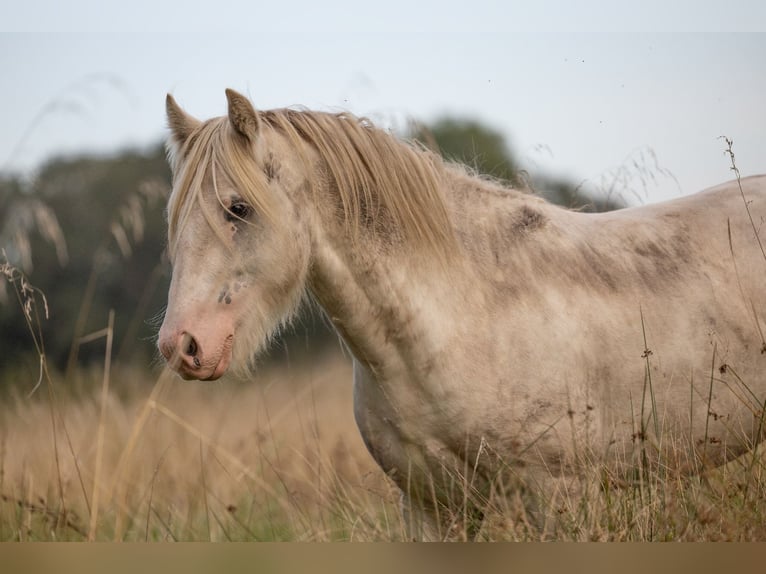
(211, 152)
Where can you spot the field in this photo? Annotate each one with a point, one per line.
(280, 458)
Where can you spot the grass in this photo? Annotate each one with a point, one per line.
(280, 458)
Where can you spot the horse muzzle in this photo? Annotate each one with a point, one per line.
(192, 358)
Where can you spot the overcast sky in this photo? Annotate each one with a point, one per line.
(578, 88)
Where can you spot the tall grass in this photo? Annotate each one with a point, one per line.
(281, 459)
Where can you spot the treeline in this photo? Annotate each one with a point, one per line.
(90, 233)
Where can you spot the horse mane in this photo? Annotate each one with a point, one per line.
(381, 182)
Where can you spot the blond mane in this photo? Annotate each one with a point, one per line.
(376, 177)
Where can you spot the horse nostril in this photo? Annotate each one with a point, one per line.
(191, 347)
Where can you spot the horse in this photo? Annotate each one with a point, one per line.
(492, 333)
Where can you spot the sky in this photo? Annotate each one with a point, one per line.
(632, 95)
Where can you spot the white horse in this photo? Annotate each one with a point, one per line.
(493, 334)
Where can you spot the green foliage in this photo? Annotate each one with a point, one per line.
(109, 213)
(471, 143)
(485, 150)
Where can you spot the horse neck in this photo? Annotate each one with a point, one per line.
(375, 302)
(387, 302)
(396, 307)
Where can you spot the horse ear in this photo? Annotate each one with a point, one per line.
(242, 115)
(181, 124)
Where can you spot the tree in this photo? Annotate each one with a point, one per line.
(471, 143)
(486, 151)
(107, 218)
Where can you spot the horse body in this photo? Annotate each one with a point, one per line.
(540, 336)
(540, 346)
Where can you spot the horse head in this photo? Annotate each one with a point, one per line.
(239, 248)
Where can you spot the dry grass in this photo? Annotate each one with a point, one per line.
(280, 458)
(275, 459)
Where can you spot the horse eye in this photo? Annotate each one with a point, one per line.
(238, 212)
